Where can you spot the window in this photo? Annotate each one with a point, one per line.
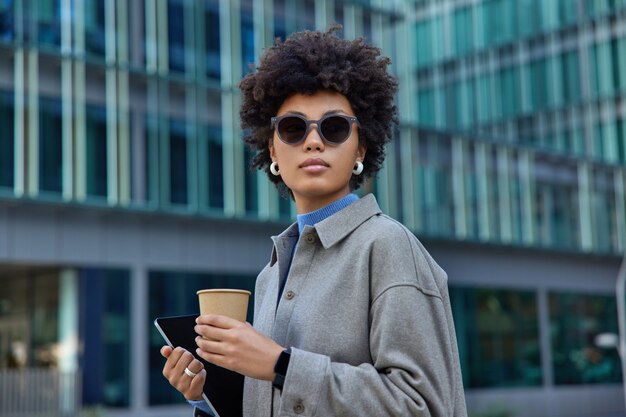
(176, 35)
(7, 20)
(95, 27)
(212, 38)
(575, 321)
(174, 293)
(7, 144)
(50, 145)
(178, 162)
(247, 37)
(539, 84)
(498, 337)
(216, 168)
(251, 186)
(48, 21)
(96, 158)
(571, 78)
(105, 334)
(463, 30)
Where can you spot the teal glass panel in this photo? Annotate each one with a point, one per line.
(7, 20)
(435, 185)
(172, 294)
(571, 78)
(106, 337)
(498, 337)
(96, 141)
(152, 165)
(95, 27)
(483, 96)
(463, 33)
(621, 140)
(280, 23)
(215, 168)
(527, 17)
(212, 38)
(575, 321)
(247, 37)
(50, 145)
(618, 67)
(539, 85)
(48, 18)
(7, 140)
(557, 215)
(567, 14)
(426, 108)
(424, 54)
(251, 186)
(176, 35)
(178, 162)
(603, 200)
(509, 95)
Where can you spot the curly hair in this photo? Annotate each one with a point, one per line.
(309, 61)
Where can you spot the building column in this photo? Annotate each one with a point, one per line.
(68, 342)
(139, 383)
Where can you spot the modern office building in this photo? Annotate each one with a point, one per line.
(124, 187)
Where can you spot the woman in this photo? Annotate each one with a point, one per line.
(351, 315)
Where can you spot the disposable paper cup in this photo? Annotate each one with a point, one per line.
(225, 302)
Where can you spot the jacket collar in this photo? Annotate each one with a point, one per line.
(330, 230)
(336, 227)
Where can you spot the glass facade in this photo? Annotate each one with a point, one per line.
(498, 337)
(512, 134)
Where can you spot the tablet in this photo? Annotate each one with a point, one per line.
(223, 389)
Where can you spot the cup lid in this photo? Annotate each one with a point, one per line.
(228, 290)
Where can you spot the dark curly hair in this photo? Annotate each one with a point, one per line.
(310, 61)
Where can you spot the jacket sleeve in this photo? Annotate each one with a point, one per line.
(415, 367)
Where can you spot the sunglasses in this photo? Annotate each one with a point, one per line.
(333, 128)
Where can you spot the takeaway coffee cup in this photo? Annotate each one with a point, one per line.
(225, 302)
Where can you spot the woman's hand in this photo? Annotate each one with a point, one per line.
(178, 360)
(237, 346)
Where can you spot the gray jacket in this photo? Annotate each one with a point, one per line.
(366, 312)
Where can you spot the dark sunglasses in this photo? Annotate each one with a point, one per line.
(333, 128)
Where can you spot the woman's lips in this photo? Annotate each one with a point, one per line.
(314, 165)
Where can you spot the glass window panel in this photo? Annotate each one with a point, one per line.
(567, 13)
(618, 58)
(483, 86)
(95, 27)
(96, 148)
(498, 337)
(7, 20)
(48, 14)
(528, 16)
(216, 168)
(178, 162)
(426, 108)
(424, 44)
(280, 24)
(251, 186)
(605, 226)
(152, 166)
(575, 321)
(571, 78)
(539, 84)
(212, 38)
(7, 140)
(176, 35)
(463, 30)
(105, 330)
(171, 294)
(509, 96)
(247, 37)
(50, 145)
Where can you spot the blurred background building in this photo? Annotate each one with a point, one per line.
(124, 187)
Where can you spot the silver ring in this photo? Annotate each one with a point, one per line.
(189, 373)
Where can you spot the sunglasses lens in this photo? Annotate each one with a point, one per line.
(335, 129)
(291, 129)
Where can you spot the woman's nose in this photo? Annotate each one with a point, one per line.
(313, 139)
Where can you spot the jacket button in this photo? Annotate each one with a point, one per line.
(289, 295)
(298, 408)
(310, 238)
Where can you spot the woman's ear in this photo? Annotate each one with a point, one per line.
(270, 146)
(360, 152)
